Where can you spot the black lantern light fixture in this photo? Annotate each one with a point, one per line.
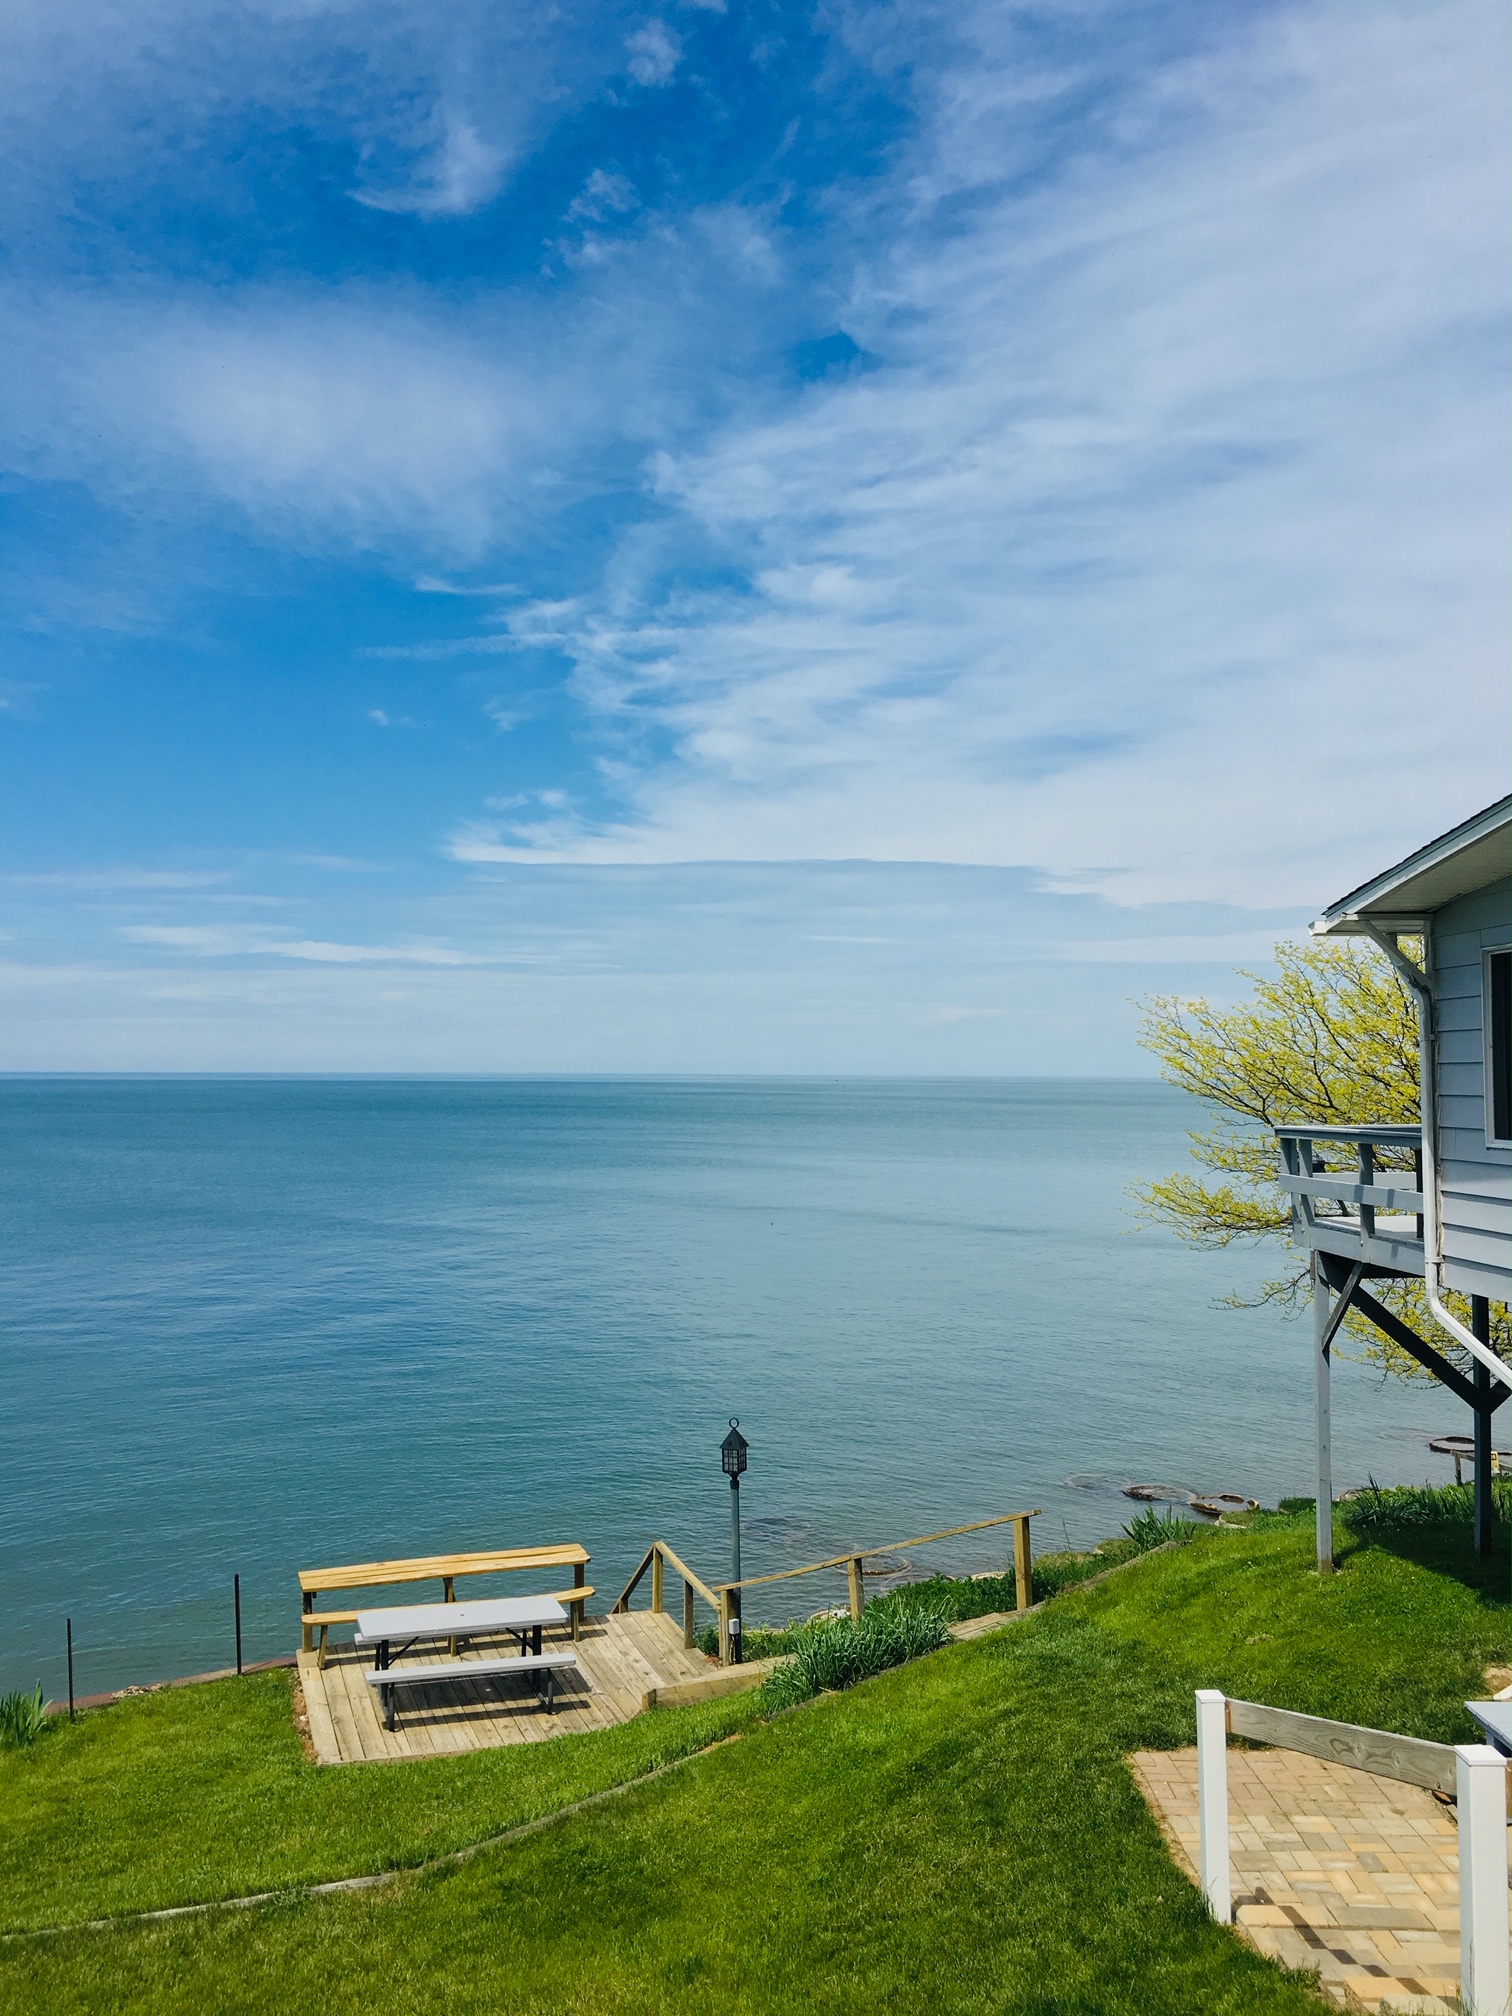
(732, 1457)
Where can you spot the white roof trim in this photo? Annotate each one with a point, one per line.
(1471, 857)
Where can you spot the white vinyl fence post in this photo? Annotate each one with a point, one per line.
(1481, 1783)
(1212, 1802)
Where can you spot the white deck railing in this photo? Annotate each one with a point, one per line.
(1356, 1192)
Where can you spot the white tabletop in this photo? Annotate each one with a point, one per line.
(461, 1620)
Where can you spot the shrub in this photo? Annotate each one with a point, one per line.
(1153, 1529)
(22, 1718)
(1417, 1505)
(832, 1653)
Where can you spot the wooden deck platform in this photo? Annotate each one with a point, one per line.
(620, 1659)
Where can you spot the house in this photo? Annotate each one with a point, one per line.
(1431, 1202)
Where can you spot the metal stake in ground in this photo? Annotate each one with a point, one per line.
(236, 1599)
(68, 1625)
(732, 1456)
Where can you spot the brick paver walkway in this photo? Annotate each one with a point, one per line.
(1333, 1869)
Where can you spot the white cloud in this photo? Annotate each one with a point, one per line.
(464, 172)
(218, 942)
(1167, 547)
(655, 53)
(830, 967)
(345, 416)
(603, 195)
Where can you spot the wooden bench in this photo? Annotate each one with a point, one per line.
(447, 1569)
(389, 1679)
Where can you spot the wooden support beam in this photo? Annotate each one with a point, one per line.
(1323, 1329)
(688, 1631)
(1392, 1326)
(1023, 1572)
(656, 1583)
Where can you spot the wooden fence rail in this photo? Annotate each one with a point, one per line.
(1472, 1774)
(724, 1598)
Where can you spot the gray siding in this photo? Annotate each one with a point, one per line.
(1475, 1179)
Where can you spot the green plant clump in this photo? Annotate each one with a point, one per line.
(833, 1653)
(22, 1719)
(1378, 1511)
(759, 1642)
(1152, 1529)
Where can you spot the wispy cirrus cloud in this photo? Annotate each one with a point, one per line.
(214, 941)
(1177, 433)
(1165, 459)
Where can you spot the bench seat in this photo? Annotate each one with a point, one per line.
(389, 1679)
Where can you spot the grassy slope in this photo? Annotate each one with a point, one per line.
(961, 1835)
(204, 1792)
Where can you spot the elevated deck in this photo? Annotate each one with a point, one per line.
(620, 1660)
(1370, 1209)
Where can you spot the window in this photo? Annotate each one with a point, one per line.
(1498, 1012)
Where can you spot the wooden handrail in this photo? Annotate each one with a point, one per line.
(860, 1553)
(660, 1547)
(724, 1597)
(688, 1576)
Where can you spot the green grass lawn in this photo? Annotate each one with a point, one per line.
(204, 1792)
(958, 1835)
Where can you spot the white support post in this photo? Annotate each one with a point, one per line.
(1321, 1344)
(1212, 1802)
(1481, 1775)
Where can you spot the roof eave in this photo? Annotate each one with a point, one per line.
(1347, 917)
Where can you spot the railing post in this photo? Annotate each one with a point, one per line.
(1367, 1176)
(723, 1619)
(857, 1591)
(688, 1632)
(656, 1583)
(1481, 1783)
(1212, 1802)
(1323, 1523)
(1023, 1569)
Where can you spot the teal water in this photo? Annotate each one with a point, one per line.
(251, 1324)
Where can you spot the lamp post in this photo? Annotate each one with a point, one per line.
(732, 1457)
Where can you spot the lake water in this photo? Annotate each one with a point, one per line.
(252, 1324)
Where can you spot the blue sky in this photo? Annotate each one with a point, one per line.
(731, 536)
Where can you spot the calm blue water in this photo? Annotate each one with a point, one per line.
(250, 1325)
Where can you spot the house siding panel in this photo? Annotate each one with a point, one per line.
(1475, 1180)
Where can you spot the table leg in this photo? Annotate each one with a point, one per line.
(535, 1641)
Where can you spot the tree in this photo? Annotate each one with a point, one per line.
(1332, 1038)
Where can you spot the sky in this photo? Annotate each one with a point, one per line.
(729, 536)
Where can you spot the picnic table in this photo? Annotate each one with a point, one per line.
(526, 1617)
(446, 1569)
